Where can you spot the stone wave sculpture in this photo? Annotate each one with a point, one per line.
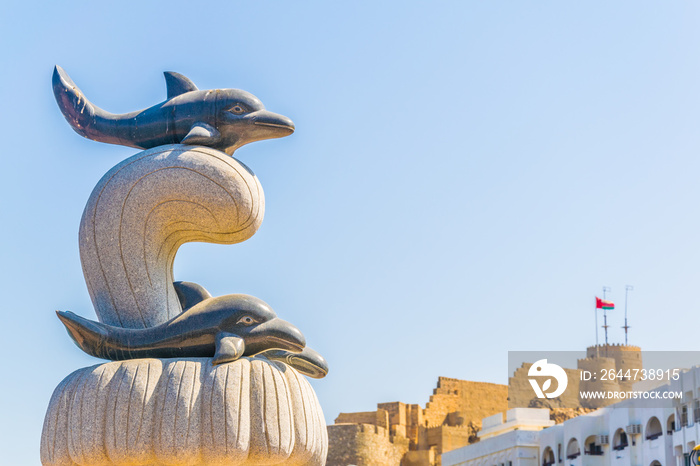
(185, 413)
(233, 393)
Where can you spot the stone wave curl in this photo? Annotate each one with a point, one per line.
(144, 209)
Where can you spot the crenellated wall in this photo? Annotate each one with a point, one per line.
(627, 358)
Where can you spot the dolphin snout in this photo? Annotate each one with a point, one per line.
(280, 123)
(276, 334)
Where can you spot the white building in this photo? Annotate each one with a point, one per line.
(628, 433)
(686, 423)
(620, 434)
(514, 442)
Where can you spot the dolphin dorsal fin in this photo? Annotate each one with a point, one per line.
(178, 84)
(190, 294)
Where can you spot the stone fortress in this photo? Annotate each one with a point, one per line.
(408, 435)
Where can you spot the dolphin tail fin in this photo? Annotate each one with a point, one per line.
(88, 335)
(85, 118)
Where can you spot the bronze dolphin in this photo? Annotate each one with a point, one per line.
(309, 362)
(224, 119)
(225, 328)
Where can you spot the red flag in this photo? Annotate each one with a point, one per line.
(601, 304)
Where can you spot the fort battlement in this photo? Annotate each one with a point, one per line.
(596, 363)
(447, 386)
(474, 400)
(618, 346)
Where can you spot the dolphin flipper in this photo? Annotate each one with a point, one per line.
(229, 347)
(202, 134)
(308, 362)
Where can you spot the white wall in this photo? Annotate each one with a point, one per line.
(668, 449)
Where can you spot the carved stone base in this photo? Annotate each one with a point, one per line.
(184, 412)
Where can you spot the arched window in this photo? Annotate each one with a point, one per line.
(591, 447)
(620, 441)
(655, 463)
(653, 429)
(548, 457)
(572, 449)
(671, 424)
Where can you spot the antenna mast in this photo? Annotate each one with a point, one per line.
(605, 319)
(628, 288)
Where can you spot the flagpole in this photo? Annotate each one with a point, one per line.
(595, 310)
(605, 326)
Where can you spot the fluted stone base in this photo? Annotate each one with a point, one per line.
(184, 412)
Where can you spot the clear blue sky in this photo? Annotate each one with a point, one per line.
(464, 178)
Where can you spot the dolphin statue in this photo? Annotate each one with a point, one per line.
(224, 328)
(224, 119)
(309, 362)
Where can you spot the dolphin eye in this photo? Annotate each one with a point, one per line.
(246, 320)
(237, 109)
